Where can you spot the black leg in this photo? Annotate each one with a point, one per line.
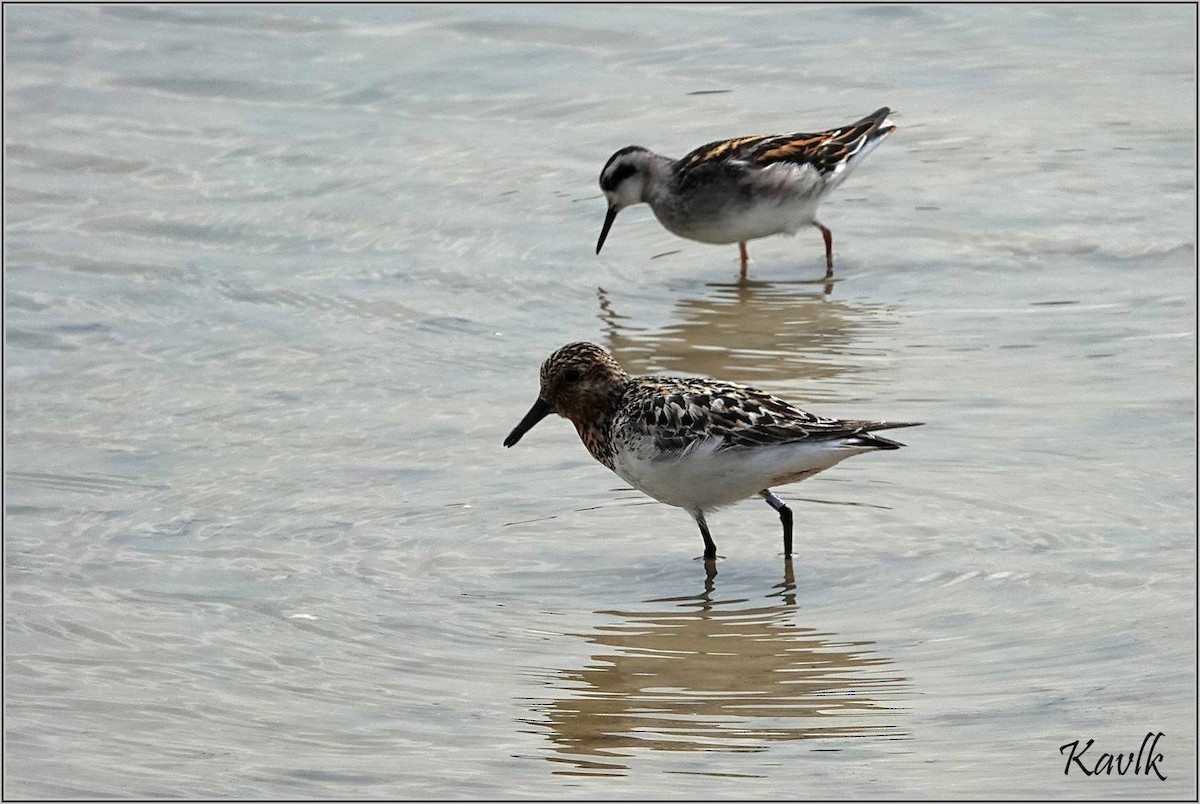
(828, 235)
(710, 547)
(785, 516)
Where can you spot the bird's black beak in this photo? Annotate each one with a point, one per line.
(540, 410)
(608, 219)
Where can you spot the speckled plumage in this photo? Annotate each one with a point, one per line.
(694, 443)
(740, 189)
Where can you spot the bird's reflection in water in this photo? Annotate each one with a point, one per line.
(753, 331)
(700, 673)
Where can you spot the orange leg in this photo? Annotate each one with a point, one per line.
(745, 258)
(828, 235)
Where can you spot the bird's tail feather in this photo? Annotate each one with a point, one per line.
(869, 439)
(878, 122)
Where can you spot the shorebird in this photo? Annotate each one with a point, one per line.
(737, 190)
(698, 444)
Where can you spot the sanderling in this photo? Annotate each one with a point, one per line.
(694, 443)
(732, 191)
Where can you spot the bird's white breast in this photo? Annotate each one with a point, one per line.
(703, 477)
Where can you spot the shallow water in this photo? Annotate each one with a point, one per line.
(278, 281)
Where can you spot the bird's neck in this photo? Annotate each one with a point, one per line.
(657, 171)
(595, 425)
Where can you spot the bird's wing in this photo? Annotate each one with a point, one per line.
(827, 151)
(738, 149)
(678, 413)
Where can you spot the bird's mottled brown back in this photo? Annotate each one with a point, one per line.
(677, 412)
(823, 150)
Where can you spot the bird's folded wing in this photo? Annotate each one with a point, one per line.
(680, 417)
(825, 150)
(733, 150)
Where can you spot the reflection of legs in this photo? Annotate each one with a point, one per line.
(787, 589)
(745, 258)
(828, 235)
(710, 547)
(785, 516)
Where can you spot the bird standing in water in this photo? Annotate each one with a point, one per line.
(736, 190)
(697, 444)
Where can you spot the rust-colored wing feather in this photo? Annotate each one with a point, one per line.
(738, 148)
(826, 150)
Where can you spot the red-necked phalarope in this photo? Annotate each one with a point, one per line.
(697, 444)
(732, 191)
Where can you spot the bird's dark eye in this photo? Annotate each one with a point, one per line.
(572, 376)
(614, 179)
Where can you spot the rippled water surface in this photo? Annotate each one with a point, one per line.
(278, 281)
